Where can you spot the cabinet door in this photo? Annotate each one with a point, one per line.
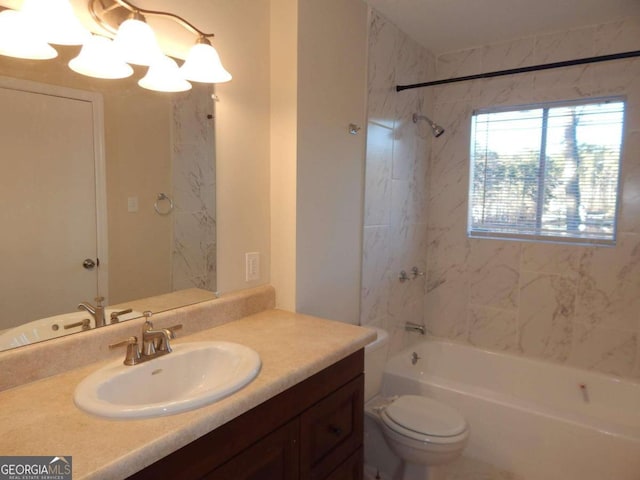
(351, 469)
(331, 430)
(275, 457)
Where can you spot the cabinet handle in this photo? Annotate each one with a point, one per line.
(337, 431)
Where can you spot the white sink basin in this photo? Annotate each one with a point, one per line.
(193, 375)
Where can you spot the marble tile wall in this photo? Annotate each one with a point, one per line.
(194, 216)
(569, 304)
(395, 223)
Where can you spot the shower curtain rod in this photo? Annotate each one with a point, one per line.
(513, 71)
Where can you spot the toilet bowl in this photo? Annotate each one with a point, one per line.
(423, 432)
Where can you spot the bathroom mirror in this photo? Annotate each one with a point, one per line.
(158, 230)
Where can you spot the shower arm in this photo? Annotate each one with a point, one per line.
(435, 128)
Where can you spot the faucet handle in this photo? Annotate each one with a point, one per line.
(99, 301)
(174, 328)
(85, 324)
(115, 315)
(133, 350)
(417, 273)
(163, 344)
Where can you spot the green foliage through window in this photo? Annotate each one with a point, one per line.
(547, 172)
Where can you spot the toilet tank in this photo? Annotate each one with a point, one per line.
(375, 357)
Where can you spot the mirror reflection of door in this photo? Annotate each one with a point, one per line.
(41, 256)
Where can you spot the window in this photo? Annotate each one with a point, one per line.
(547, 172)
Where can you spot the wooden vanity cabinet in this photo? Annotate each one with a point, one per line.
(275, 456)
(312, 431)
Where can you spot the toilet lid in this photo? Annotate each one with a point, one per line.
(425, 416)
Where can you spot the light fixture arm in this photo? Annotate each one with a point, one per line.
(106, 13)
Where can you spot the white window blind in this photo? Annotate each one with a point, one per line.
(547, 172)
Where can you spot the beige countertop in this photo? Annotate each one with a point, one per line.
(40, 418)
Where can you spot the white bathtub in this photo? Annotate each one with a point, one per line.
(529, 417)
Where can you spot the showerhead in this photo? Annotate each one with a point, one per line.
(435, 128)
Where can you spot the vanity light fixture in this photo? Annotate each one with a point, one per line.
(99, 58)
(136, 43)
(203, 62)
(56, 21)
(29, 32)
(19, 39)
(164, 76)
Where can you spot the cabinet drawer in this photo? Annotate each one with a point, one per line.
(331, 430)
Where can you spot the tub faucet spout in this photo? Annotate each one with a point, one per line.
(414, 327)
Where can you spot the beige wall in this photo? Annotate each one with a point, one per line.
(284, 130)
(331, 95)
(242, 139)
(138, 152)
(564, 303)
(281, 135)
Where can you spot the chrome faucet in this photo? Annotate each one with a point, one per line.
(154, 343)
(97, 312)
(414, 327)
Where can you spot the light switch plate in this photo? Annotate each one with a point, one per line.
(132, 204)
(252, 266)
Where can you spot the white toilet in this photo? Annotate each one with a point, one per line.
(424, 433)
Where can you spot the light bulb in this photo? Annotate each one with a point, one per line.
(20, 39)
(203, 64)
(98, 58)
(56, 20)
(164, 76)
(136, 42)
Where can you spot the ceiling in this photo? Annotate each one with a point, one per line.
(439, 25)
(451, 25)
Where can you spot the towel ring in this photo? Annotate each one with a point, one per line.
(161, 197)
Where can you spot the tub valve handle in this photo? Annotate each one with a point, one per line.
(414, 358)
(585, 392)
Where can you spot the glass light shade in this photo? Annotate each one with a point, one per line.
(19, 38)
(98, 58)
(136, 43)
(203, 65)
(56, 20)
(164, 76)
